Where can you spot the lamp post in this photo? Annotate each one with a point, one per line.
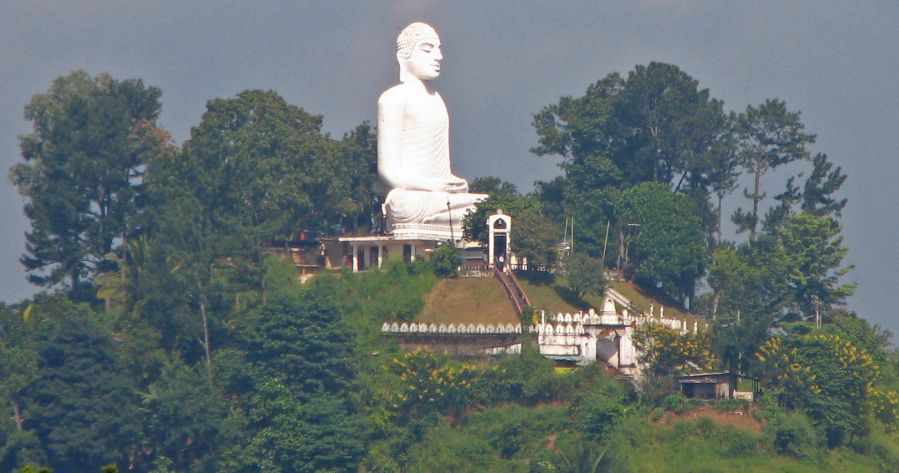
(449, 211)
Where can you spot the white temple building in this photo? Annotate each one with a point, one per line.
(607, 336)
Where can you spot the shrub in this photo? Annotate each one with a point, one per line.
(595, 415)
(792, 433)
(446, 261)
(675, 403)
(739, 444)
(528, 378)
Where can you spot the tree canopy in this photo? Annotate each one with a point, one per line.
(83, 175)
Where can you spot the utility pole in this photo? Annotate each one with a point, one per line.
(449, 211)
(605, 244)
(817, 304)
(572, 235)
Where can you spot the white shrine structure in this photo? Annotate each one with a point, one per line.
(582, 338)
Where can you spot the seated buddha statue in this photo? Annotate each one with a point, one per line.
(413, 139)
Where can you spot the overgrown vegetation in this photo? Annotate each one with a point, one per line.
(169, 341)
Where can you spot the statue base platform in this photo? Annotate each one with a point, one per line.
(410, 241)
(425, 231)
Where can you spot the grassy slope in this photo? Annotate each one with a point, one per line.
(556, 297)
(468, 300)
(635, 446)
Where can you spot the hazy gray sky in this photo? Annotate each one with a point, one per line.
(834, 61)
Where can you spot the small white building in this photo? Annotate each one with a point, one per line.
(607, 336)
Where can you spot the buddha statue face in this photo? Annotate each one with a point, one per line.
(418, 52)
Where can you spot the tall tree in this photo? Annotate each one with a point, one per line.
(360, 163)
(769, 136)
(723, 171)
(820, 187)
(303, 340)
(184, 420)
(299, 413)
(809, 248)
(654, 125)
(83, 173)
(81, 404)
(669, 124)
(585, 275)
(748, 296)
(668, 245)
(268, 170)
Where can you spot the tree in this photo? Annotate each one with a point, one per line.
(292, 435)
(826, 376)
(184, 420)
(809, 248)
(299, 415)
(446, 261)
(670, 124)
(474, 224)
(188, 269)
(263, 166)
(655, 125)
(723, 171)
(492, 185)
(748, 296)
(581, 131)
(769, 136)
(815, 196)
(585, 275)
(18, 369)
(83, 173)
(822, 183)
(666, 350)
(303, 340)
(536, 238)
(255, 169)
(359, 152)
(81, 404)
(668, 243)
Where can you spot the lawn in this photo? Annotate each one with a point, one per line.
(468, 300)
(557, 298)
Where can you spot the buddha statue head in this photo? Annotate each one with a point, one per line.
(418, 52)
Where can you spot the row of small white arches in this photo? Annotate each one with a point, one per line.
(451, 328)
(548, 329)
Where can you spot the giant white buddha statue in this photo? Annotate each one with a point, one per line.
(413, 140)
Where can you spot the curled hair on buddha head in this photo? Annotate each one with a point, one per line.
(411, 35)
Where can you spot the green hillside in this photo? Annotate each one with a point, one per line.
(556, 297)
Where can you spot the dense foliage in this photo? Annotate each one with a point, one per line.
(173, 342)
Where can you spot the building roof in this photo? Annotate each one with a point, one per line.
(697, 377)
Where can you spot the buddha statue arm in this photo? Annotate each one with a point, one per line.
(390, 167)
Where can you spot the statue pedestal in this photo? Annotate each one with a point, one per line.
(425, 231)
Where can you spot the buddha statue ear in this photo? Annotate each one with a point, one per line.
(402, 61)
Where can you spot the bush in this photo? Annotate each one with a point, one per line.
(595, 415)
(738, 443)
(528, 378)
(792, 433)
(446, 261)
(676, 403)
